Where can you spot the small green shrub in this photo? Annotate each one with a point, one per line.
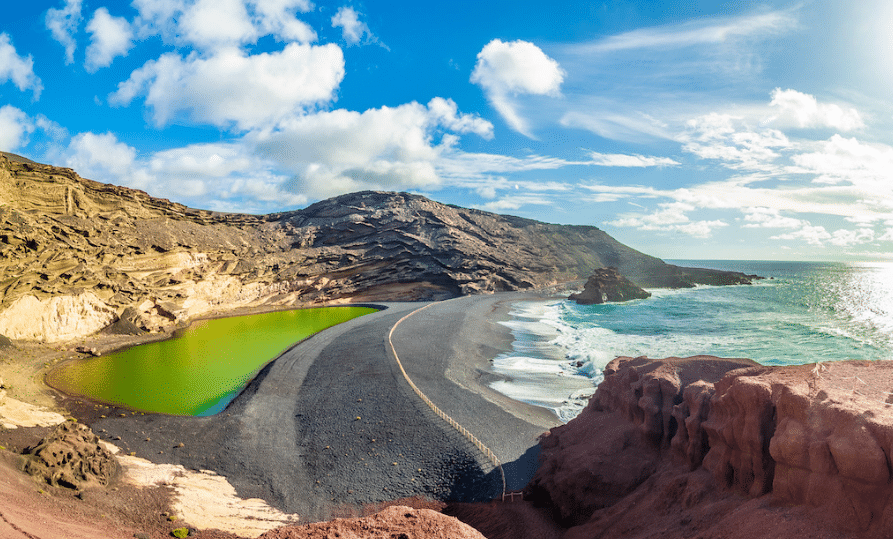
(180, 532)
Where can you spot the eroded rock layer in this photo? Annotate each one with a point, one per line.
(813, 438)
(81, 254)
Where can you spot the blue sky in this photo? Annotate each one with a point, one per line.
(685, 129)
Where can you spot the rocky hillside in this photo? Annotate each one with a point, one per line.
(77, 256)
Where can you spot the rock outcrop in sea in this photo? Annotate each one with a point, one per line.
(713, 447)
(607, 284)
(77, 256)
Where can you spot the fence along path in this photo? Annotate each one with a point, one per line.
(443, 415)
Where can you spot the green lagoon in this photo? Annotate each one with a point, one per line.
(201, 369)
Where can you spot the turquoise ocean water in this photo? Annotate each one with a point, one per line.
(803, 312)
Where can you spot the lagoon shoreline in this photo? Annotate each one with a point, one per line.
(331, 424)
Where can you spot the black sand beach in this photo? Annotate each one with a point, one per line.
(332, 422)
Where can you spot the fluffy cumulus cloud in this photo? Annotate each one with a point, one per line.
(352, 29)
(277, 17)
(212, 24)
(18, 69)
(63, 24)
(225, 176)
(234, 88)
(110, 37)
(15, 126)
(339, 151)
(803, 110)
(510, 69)
(103, 157)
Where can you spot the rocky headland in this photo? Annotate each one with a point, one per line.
(78, 256)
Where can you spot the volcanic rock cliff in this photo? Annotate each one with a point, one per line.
(709, 447)
(77, 256)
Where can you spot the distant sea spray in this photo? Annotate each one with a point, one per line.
(803, 312)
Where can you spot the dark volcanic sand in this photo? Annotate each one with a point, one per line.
(332, 421)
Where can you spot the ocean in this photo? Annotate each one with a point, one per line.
(803, 312)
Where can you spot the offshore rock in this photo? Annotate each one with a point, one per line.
(606, 284)
(159, 264)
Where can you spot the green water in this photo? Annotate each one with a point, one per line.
(202, 368)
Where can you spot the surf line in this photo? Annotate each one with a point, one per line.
(443, 415)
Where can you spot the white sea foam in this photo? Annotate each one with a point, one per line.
(809, 312)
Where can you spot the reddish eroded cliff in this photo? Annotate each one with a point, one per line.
(695, 446)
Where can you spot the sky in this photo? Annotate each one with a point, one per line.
(685, 129)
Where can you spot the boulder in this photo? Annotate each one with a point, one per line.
(607, 284)
(71, 457)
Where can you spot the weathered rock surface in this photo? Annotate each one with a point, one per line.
(71, 457)
(392, 523)
(669, 441)
(606, 284)
(155, 263)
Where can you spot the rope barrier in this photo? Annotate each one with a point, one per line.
(440, 413)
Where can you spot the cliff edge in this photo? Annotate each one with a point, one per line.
(709, 447)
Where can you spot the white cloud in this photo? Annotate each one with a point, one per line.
(804, 110)
(446, 113)
(623, 160)
(62, 24)
(109, 37)
(352, 29)
(232, 87)
(339, 151)
(599, 119)
(17, 69)
(840, 158)
(694, 33)
(518, 67)
(213, 24)
(276, 17)
(729, 140)
(671, 217)
(506, 69)
(847, 238)
(15, 126)
(226, 177)
(811, 234)
(103, 158)
(769, 218)
(514, 202)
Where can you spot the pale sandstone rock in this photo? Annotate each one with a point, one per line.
(55, 319)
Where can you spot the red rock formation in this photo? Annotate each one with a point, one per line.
(689, 447)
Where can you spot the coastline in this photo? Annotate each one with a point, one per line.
(308, 433)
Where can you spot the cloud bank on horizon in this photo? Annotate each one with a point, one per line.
(712, 131)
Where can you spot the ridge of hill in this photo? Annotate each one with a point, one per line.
(77, 256)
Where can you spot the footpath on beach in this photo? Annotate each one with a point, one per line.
(333, 422)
